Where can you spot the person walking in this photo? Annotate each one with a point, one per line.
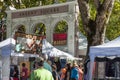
(24, 73)
(54, 73)
(63, 72)
(68, 71)
(41, 73)
(15, 73)
(74, 72)
(80, 72)
(46, 65)
(11, 72)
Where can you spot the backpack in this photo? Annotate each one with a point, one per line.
(55, 73)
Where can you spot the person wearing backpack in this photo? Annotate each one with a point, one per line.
(68, 71)
(54, 73)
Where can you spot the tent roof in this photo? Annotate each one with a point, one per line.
(7, 42)
(47, 48)
(7, 46)
(112, 48)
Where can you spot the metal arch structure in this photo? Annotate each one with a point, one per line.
(47, 15)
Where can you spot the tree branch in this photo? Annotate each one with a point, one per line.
(97, 3)
(85, 14)
(105, 5)
(109, 10)
(103, 14)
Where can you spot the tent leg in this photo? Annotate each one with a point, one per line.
(91, 69)
(5, 67)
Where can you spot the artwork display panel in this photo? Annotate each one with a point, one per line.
(27, 43)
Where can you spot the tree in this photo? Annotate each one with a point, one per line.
(113, 28)
(95, 27)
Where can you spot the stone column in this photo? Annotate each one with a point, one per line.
(49, 28)
(70, 38)
(29, 25)
(9, 25)
(48, 33)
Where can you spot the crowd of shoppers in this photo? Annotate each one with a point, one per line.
(45, 69)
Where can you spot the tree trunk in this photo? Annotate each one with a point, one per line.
(95, 29)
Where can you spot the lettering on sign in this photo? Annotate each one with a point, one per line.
(37, 12)
(59, 38)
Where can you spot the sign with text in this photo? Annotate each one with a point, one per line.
(40, 11)
(59, 38)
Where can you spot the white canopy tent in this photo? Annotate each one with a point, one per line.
(6, 50)
(6, 47)
(112, 48)
(47, 48)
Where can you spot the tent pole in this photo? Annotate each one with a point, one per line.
(91, 68)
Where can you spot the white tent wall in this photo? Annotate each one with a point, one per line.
(9, 41)
(112, 48)
(6, 47)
